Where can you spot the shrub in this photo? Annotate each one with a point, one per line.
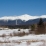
(3, 35)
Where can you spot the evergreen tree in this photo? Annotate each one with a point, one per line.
(40, 27)
(40, 22)
(32, 27)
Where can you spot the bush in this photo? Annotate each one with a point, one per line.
(3, 35)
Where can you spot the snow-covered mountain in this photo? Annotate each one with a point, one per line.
(25, 17)
(21, 20)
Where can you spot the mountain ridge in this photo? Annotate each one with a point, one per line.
(20, 22)
(25, 17)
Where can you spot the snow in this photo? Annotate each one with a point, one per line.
(30, 37)
(7, 32)
(27, 40)
(22, 17)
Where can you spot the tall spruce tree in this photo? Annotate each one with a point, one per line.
(40, 27)
(40, 22)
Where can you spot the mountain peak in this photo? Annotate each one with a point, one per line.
(25, 17)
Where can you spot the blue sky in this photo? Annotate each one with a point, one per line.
(20, 7)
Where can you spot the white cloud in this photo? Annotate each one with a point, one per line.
(22, 17)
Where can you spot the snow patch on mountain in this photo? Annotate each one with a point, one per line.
(25, 17)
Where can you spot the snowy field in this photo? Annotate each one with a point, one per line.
(10, 31)
(26, 40)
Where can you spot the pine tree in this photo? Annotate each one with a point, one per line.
(40, 27)
(41, 22)
(32, 27)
